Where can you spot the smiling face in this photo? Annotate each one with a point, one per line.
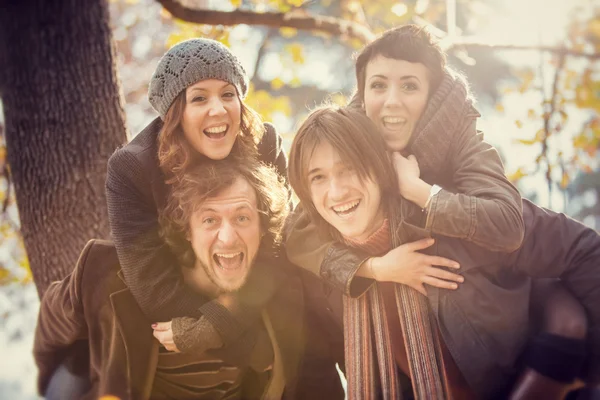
(349, 204)
(211, 117)
(395, 96)
(225, 235)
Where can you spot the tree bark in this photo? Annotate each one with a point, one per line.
(64, 118)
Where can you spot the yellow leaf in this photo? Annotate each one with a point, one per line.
(531, 114)
(295, 82)
(4, 274)
(499, 107)
(236, 3)
(594, 27)
(277, 83)
(564, 182)
(297, 51)
(338, 98)
(519, 124)
(288, 32)
(515, 176)
(282, 105)
(526, 142)
(356, 43)
(296, 3)
(527, 76)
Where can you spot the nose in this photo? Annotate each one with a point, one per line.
(216, 107)
(394, 97)
(337, 188)
(227, 234)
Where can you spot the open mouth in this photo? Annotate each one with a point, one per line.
(346, 209)
(229, 261)
(216, 132)
(393, 123)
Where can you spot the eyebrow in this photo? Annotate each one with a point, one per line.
(200, 89)
(209, 209)
(402, 78)
(317, 169)
(312, 171)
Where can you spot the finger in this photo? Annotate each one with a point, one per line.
(420, 288)
(158, 335)
(171, 347)
(443, 274)
(439, 283)
(161, 326)
(412, 158)
(442, 262)
(420, 244)
(397, 157)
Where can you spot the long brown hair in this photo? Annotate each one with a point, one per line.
(175, 153)
(356, 139)
(207, 179)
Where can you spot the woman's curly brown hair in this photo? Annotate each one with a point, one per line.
(207, 179)
(175, 153)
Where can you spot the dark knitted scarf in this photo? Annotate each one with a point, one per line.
(447, 111)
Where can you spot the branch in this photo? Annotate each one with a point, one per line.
(472, 44)
(298, 19)
(261, 50)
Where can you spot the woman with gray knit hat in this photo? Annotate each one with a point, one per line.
(198, 90)
(425, 112)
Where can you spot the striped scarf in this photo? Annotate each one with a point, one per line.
(368, 346)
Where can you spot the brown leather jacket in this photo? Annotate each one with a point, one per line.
(94, 304)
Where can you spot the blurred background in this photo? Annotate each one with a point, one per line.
(533, 65)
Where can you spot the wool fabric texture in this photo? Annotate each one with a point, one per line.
(189, 62)
(447, 108)
(370, 364)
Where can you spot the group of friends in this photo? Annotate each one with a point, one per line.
(216, 286)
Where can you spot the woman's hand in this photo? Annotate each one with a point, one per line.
(164, 334)
(406, 265)
(410, 185)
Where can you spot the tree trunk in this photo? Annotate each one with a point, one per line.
(64, 118)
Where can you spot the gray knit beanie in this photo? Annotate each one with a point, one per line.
(191, 61)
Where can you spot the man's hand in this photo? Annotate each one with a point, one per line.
(411, 186)
(406, 265)
(164, 334)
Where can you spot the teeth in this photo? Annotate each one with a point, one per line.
(393, 120)
(217, 129)
(345, 207)
(230, 255)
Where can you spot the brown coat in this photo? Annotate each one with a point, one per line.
(94, 303)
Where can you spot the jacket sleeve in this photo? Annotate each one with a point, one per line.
(487, 208)
(61, 322)
(271, 150)
(326, 258)
(148, 265)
